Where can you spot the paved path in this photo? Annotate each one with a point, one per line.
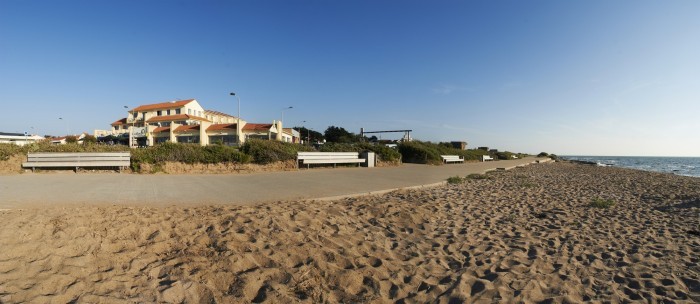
(35, 190)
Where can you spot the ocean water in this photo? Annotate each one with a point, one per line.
(688, 166)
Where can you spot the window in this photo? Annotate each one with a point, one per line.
(189, 111)
(168, 112)
(135, 114)
(160, 113)
(228, 140)
(177, 111)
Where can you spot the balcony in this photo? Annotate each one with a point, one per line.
(131, 120)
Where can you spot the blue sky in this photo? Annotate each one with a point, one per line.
(566, 77)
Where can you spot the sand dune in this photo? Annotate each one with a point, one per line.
(526, 235)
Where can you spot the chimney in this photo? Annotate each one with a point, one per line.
(279, 130)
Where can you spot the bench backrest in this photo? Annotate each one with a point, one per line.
(451, 157)
(48, 157)
(327, 155)
(486, 157)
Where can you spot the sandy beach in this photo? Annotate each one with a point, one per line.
(524, 235)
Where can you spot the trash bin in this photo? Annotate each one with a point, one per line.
(370, 159)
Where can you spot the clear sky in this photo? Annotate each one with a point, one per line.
(566, 77)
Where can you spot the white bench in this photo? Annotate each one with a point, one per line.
(486, 158)
(451, 158)
(308, 158)
(78, 160)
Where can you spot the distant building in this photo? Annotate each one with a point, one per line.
(186, 121)
(462, 145)
(19, 139)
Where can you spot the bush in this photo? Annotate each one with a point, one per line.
(383, 152)
(9, 150)
(477, 176)
(454, 180)
(602, 203)
(186, 153)
(70, 139)
(270, 151)
(419, 152)
(543, 154)
(89, 139)
(429, 153)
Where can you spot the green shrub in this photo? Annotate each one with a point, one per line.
(602, 203)
(477, 176)
(89, 139)
(454, 180)
(186, 153)
(543, 154)
(270, 151)
(9, 150)
(383, 152)
(429, 153)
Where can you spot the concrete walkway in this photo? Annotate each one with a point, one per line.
(36, 190)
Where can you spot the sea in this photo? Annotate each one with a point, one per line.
(688, 166)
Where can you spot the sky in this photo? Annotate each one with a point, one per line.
(565, 77)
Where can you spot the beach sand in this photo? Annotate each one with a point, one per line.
(524, 235)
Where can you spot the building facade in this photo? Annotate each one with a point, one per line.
(186, 121)
(19, 139)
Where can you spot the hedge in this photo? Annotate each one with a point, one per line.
(383, 152)
(429, 153)
(270, 151)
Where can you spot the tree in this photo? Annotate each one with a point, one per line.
(71, 139)
(89, 139)
(314, 136)
(339, 135)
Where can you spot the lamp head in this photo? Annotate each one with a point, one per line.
(232, 93)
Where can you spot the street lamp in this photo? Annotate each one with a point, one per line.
(307, 131)
(66, 121)
(287, 108)
(238, 118)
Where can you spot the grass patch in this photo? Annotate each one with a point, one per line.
(602, 203)
(454, 180)
(478, 176)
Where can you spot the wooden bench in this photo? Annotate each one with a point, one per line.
(308, 158)
(78, 160)
(452, 158)
(486, 158)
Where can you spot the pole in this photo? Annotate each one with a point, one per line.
(238, 119)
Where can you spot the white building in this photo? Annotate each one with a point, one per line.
(19, 139)
(186, 121)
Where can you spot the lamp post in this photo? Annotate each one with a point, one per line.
(238, 119)
(67, 128)
(287, 108)
(307, 131)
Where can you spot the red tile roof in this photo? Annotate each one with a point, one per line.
(162, 105)
(216, 127)
(257, 127)
(119, 122)
(187, 128)
(177, 117)
(161, 129)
